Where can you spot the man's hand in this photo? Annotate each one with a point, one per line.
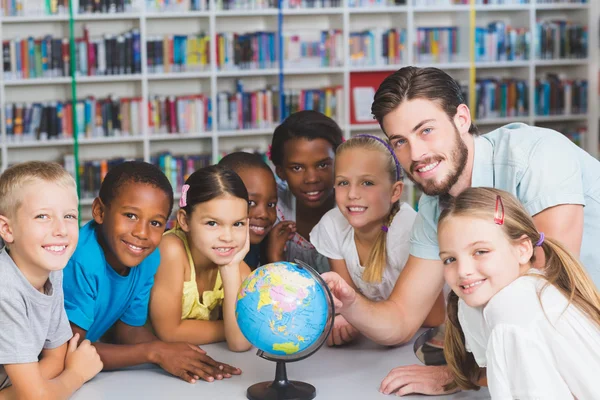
(191, 363)
(343, 294)
(429, 380)
(342, 332)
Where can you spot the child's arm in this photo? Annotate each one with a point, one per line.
(339, 266)
(52, 361)
(82, 363)
(165, 300)
(232, 276)
(137, 345)
(279, 235)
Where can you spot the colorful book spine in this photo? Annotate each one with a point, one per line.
(561, 39)
(500, 98)
(378, 47)
(313, 49)
(42, 57)
(375, 3)
(178, 168)
(427, 3)
(310, 3)
(437, 45)
(26, 122)
(242, 109)
(179, 114)
(500, 42)
(110, 55)
(155, 6)
(557, 96)
(256, 50)
(178, 53)
(328, 101)
(109, 117)
(245, 4)
(92, 173)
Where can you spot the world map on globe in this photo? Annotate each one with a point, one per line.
(282, 309)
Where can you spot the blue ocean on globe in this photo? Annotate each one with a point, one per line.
(282, 309)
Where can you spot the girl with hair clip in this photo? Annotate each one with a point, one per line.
(537, 332)
(366, 237)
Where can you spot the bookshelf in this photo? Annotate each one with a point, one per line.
(341, 19)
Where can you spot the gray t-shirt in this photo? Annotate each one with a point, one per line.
(30, 321)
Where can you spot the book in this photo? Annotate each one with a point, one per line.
(556, 95)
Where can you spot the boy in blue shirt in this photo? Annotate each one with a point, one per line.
(108, 279)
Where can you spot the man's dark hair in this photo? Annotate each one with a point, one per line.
(134, 172)
(410, 83)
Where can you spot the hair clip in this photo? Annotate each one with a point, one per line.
(499, 213)
(183, 199)
(269, 152)
(540, 240)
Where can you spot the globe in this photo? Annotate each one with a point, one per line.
(285, 310)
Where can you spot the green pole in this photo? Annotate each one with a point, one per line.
(74, 104)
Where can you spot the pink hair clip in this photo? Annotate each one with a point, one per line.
(499, 213)
(183, 199)
(269, 152)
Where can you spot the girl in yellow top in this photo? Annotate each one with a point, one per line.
(201, 266)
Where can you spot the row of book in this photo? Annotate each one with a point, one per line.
(313, 49)
(108, 117)
(375, 3)
(178, 168)
(29, 8)
(438, 44)
(561, 39)
(178, 53)
(378, 47)
(49, 57)
(157, 6)
(246, 51)
(179, 114)
(242, 109)
(500, 42)
(497, 98)
(558, 96)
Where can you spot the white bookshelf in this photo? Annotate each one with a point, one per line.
(209, 82)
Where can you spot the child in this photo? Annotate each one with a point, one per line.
(204, 254)
(262, 192)
(302, 151)
(38, 224)
(536, 332)
(108, 279)
(366, 237)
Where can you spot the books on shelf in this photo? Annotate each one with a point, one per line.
(92, 173)
(559, 39)
(498, 98)
(178, 53)
(558, 96)
(42, 57)
(26, 122)
(179, 114)
(110, 55)
(446, 3)
(178, 168)
(313, 49)
(328, 101)
(375, 3)
(155, 6)
(246, 50)
(378, 46)
(109, 117)
(37, 8)
(437, 45)
(240, 109)
(576, 135)
(245, 4)
(310, 3)
(500, 42)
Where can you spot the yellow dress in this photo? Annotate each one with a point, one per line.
(212, 300)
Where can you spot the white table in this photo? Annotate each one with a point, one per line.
(349, 373)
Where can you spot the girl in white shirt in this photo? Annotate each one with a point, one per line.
(537, 332)
(366, 237)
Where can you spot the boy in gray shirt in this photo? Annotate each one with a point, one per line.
(38, 224)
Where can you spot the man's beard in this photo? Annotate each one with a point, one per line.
(459, 160)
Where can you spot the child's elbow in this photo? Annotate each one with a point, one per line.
(239, 347)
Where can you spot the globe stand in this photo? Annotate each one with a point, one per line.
(281, 388)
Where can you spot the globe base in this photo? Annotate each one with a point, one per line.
(281, 388)
(294, 390)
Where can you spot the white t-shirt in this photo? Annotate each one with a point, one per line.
(333, 237)
(533, 351)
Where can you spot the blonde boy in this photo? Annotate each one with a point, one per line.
(38, 224)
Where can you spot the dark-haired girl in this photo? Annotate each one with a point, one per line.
(302, 151)
(201, 266)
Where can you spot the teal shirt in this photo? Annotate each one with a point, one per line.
(542, 168)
